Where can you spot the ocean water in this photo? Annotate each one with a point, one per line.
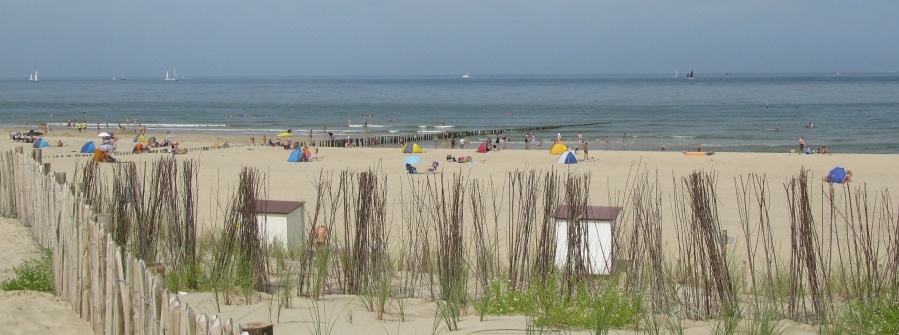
(849, 112)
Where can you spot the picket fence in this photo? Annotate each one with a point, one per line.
(106, 285)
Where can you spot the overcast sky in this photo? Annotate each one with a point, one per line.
(101, 38)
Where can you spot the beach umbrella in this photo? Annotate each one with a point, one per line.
(837, 175)
(104, 135)
(41, 143)
(413, 159)
(295, 156)
(88, 148)
(567, 157)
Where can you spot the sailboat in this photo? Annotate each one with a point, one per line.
(33, 77)
(690, 75)
(676, 75)
(174, 76)
(122, 77)
(467, 75)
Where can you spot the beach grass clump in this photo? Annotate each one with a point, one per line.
(880, 315)
(187, 277)
(601, 310)
(34, 274)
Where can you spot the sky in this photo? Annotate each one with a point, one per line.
(102, 38)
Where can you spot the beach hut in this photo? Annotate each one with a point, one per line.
(140, 138)
(88, 148)
(282, 221)
(484, 147)
(596, 224)
(40, 143)
(411, 148)
(567, 157)
(296, 156)
(558, 148)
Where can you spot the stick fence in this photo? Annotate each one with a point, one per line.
(110, 288)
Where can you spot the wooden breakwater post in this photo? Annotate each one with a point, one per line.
(396, 139)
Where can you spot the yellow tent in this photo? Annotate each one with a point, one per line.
(284, 134)
(558, 148)
(411, 148)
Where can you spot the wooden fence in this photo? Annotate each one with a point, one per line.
(107, 286)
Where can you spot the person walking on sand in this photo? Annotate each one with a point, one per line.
(801, 143)
(585, 151)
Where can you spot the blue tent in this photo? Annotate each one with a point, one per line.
(88, 148)
(296, 156)
(837, 175)
(567, 157)
(40, 143)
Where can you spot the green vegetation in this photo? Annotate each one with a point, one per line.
(878, 316)
(35, 274)
(602, 309)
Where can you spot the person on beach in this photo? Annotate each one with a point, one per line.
(558, 137)
(580, 137)
(801, 143)
(586, 147)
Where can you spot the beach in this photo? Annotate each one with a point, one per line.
(611, 176)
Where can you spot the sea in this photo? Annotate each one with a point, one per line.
(845, 112)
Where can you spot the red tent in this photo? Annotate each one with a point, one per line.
(483, 147)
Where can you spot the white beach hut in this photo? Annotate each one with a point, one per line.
(599, 228)
(283, 221)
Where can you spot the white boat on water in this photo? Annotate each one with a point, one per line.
(676, 75)
(33, 77)
(467, 75)
(174, 76)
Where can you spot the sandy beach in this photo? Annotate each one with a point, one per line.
(610, 172)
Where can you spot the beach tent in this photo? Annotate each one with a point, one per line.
(88, 148)
(483, 147)
(296, 156)
(140, 138)
(40, 143)
(567, 157)
(411, 148)
(837, 175)
(558, 148)
(284, 134)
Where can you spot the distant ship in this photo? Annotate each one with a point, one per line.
(466, 75)
(33, 77)
(174, 76)
(690, 75)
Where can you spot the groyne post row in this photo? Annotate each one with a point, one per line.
(110, 288)
(397, 139)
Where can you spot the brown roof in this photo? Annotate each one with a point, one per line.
(277, 206)
(600, 213)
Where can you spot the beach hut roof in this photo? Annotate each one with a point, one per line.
(278, 206)
(594, 213)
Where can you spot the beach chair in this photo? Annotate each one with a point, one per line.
(411, 169)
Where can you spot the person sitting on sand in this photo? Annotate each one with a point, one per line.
(433, 167)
